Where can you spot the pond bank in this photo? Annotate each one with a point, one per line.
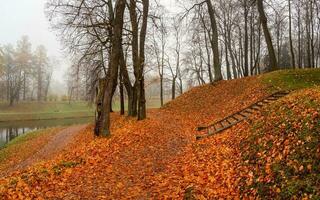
(37, 146)
(13, 129)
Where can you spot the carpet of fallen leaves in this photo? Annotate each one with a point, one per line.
(157, 158)
(12, 154)
(282, 151)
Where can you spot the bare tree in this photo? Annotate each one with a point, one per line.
(264, 22)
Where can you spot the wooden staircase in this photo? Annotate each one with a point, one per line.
(239, 116)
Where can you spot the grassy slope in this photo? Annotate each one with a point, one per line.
(284, 142)
(281, 153)
(292, 79)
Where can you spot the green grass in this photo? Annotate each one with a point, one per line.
(44, 107)
(26, 111)
(292, 79)
(44, 110)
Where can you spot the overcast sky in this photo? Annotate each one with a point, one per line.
(26, 17)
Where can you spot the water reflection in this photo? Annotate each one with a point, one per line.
(11, 130)
(7, 134)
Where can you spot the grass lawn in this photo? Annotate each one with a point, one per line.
(44, 110)
(54, 110)
(292, 79)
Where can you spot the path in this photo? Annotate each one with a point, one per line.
(51, 149)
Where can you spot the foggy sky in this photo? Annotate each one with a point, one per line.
(26, 17)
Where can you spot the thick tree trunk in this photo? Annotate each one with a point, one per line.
(103, 125)
(293, 64)
(142, 109)
(122, 111)
(215, 42)
(308, 33)
(299, 38)
(246, 40)
(264, 22)
(227, 56)
(138, 54)
(132, 102)
(208, 57)
(142, 112)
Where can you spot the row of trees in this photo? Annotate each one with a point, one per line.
(105, 36)
(24, 75)
(120, 46)
(255, 36)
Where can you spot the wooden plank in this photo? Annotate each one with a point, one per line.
(220, 123)
(272, 98)
(248, 111)
(254, 107)
(234, 117)
(229, 122)
(201, 128)
(242, 115)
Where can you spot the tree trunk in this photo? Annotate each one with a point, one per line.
(290, 37)
(235, 74)
(208, 57)
(227, 58)
(307, 23)
(173, 88)
(138, 55)
(142, 110)
(103, 125)
(121, 94)
(264, 22)
(24, 86)
(161, 90)
(215, 42)
(299, 36)
(246, 43)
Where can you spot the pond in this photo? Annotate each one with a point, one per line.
(11, 130)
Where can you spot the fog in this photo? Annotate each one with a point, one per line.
(27, 17)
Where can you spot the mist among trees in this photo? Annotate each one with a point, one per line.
(25, 73)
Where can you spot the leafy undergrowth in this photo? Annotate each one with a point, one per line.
(157, 158)
(214, 101)
(11, 154)
(152, 159)
(282, 152)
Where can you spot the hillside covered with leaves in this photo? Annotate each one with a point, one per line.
(282, 150)
(274, 154)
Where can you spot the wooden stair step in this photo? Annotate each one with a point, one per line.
(248, 111)
(256, 108)
(240, 116)
(228, 120)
